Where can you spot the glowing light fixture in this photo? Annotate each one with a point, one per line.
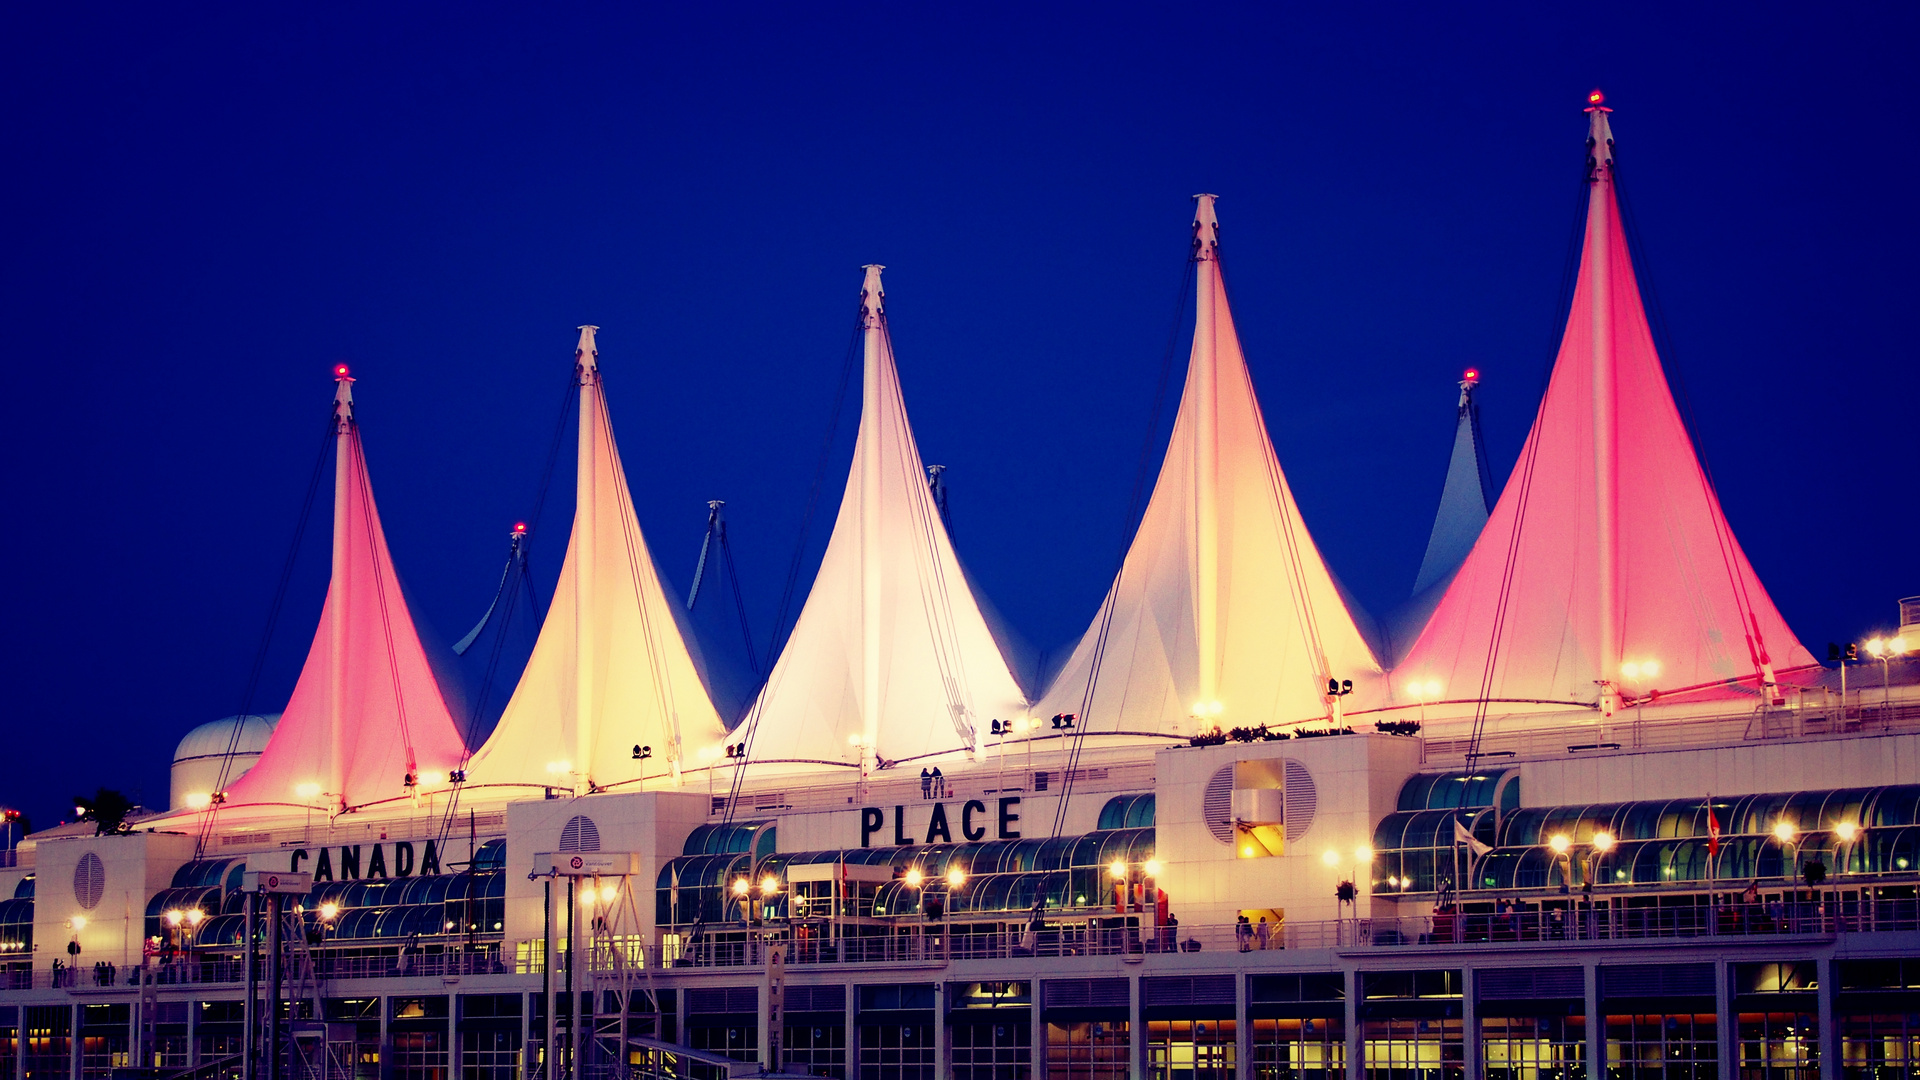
(1363, 854)
(769, 885)
(1331, 857)
(307, 790)
(198, 800)
(914, 877)
(1152, 867)
(1559, 843)
(740, 886)
(956, 877)
(1846, 830)
(1595, 97)
(340, 371)
(174, 916)
(1603, 842)
(558, 768)
(433, 776)
(608, 892)
(328, 910)
(1783, 830)
(78, 922)
(1117, 868)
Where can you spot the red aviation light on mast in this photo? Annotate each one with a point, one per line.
(340, 372)
(519, 528)
(1471, 375)
(1595, 97)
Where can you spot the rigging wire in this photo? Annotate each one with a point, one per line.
(252, 685)
(751, 722)
(1129, 524)
(1563, 309)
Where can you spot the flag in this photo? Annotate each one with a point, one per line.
(1713, 830)
(1462, 836)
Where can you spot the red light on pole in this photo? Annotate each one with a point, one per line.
(520, 528)
(1472, 375)
(1595, 97)
(340, 371)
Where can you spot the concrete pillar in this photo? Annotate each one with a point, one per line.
(386, 1040)
(1724, 1020)
(1828, 974)
(1242, 1028)
(75, 1014)
(853, 1028)
(1470, 1025)
(941, 1054)
(1355, 1045)
(1136, 1030)
(1596, 1025)
(453, 1033)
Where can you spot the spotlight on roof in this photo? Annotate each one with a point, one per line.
(642, 753)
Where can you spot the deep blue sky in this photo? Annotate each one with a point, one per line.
(204, 211)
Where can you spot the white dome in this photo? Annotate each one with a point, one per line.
(215, 738)
(200, 763)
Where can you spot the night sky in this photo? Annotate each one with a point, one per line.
(205, 210)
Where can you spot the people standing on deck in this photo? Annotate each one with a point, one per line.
(939, 783)
(1263, 934)
(926, 783)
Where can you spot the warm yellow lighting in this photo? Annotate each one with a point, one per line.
(740, 886)
(78, 922)
(307, 790)
(1117, 868)
(769, 885)
(1559, 843)
(197, 800)
(853, 740)
(559, 767)
(1424, 690)
(194, 915)
(1152, 867)
(1602, 842)
(1363, 854)
(1246, 851)
(915, 877)
(1651, 669)
(1783, 830)
(1331, 857)
(1846, 830)
(433, 777)
(328, 910)
(1876, 647)
(608, 892)
(956, 877)
(174, 916)
(1898, 646)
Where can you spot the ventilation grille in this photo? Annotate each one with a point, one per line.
(1302, 799)
(231, 839)
(488, 821)
(89, 881)
(1181, 990)
(1657, 980)
(816, 999)
(581, 834)
(1217, 805)
(1086, 994)
(724, 999)
(1508, 984)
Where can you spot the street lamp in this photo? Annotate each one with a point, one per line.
(1424, 692)
(1884, 650)
(1784, 832)
(1560, 844)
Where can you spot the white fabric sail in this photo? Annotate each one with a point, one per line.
(1223, 612)
(890, 659)
(611, 671)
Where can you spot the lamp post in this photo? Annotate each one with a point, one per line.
(1637, 674)
(1601, 843)
(1884, 650)
(1423, 692)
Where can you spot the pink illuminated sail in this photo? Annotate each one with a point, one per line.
(1223, 612)
(367, 721)
(1607, 555)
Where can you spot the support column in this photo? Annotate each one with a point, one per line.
(1036, 1037)
(1136, 1031)
(853, 1027)
(942, 1054)
(1726, 1034)
(1470, 1025)
(1356, 1046)
(1599, 251)
(1827, 972)
(337, 614)
(75, 1043)
(1242, 1028)
(454, 1003)
(871, 438)
(1596, 1026)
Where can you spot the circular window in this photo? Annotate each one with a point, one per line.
(89, 881)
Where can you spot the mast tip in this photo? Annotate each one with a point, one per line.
(340, 373)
